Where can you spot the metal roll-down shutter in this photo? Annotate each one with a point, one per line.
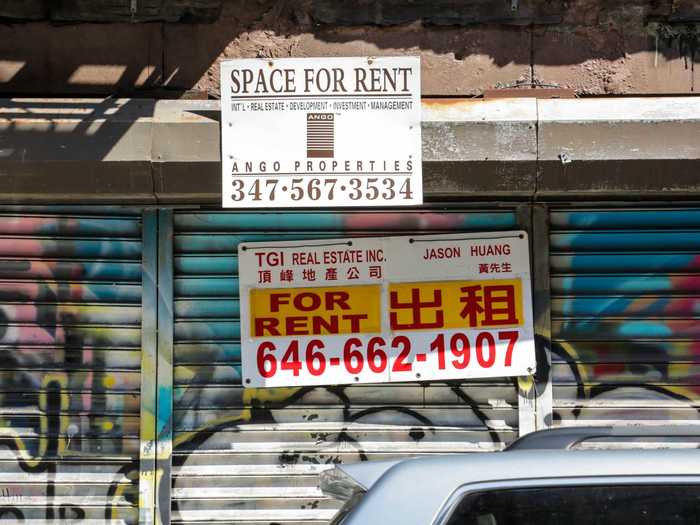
(70, 335)
(625, 287)
(253, 455)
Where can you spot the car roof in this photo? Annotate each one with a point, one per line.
(414, 490)
(562, 438)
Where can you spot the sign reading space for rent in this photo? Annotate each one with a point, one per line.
(321, 132)
(374, 310)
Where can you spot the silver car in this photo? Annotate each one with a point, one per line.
(572, 476)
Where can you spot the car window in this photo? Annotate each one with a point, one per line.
(582, 505)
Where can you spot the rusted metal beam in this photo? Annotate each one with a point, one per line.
(619, 147)
(78, 150)
(168, 152)
(530, 93)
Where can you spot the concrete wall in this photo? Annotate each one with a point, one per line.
(467, 46)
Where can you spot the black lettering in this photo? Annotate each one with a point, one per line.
(376, 79)
(273, 86)
(390, 79)
(261, 83)
(289, 77)
(236, 86)
(360, 79)
(308, 79)
(405, 71)
(338, 78)
(247, 79)
(323, 80)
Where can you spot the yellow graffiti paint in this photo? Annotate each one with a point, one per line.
(64, 420)
(526, 384)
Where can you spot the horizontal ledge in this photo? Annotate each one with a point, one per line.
(480, 148)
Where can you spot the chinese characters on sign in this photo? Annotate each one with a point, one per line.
(374, 310)
(321, 132)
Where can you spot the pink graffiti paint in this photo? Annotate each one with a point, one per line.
(36, 225)
(403, 221)
(24, 247)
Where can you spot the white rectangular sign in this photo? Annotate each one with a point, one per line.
(374, 310)
(321, 132)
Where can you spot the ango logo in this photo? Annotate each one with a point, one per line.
(320, 135)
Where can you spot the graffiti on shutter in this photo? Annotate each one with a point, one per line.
(625, 303)
(70, 314)
(253, 455)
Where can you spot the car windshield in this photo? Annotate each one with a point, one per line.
(582, 505)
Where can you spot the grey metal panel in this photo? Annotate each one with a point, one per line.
(70, 336)
(624, 324)
(489, 147)
(164, 421)
(252, 455)
(149, 350)
(186, 142)
(127, 150)
(79, 150)
(618, 146)
(542, 311)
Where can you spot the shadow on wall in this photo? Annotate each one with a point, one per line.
(89, 128)
(99, 148)
(467, 45)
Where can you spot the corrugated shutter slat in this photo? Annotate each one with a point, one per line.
(252, 455)
(625, 289)
(70, 338)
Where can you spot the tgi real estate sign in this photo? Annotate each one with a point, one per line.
(375, 310)
(321, 132)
